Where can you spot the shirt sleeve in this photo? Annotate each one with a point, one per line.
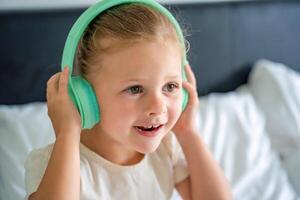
(178, 159)
(35, 166)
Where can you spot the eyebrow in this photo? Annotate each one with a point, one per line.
(143, 79)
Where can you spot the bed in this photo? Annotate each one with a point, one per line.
(245, 55)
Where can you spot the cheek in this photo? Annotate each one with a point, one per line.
(115, 112)
(115, 121)
(175, 109)
(175, 112)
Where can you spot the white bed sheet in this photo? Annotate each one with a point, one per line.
(234, 129)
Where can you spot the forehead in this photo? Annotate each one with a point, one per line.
(142, 59)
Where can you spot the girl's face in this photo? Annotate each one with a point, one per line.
(138, 86)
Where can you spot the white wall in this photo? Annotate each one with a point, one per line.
(42, 4)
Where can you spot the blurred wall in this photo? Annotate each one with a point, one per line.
(46, 4)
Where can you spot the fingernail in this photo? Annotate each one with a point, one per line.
(66, 68)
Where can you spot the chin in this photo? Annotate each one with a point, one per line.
(147, 151)
(148, 148)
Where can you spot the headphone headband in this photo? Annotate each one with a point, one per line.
(88, 15)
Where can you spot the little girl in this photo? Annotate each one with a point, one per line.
(144, 145)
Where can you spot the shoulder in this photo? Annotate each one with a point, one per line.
(35, 165)
(171, 145)
(177, 157)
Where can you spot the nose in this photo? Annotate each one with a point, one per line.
(156, 105)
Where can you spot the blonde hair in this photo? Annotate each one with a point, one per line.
(119, 27)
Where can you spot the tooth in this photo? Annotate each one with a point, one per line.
(151, 126)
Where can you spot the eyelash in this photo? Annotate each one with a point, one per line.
(129, 90)
(175, 86)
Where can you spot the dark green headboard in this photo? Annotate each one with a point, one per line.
(225, 38)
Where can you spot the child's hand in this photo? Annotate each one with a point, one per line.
(186, 124)
(63, 114)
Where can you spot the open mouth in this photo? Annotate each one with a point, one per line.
(150, 131)
(151, 128)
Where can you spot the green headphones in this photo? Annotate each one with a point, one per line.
(80, 90)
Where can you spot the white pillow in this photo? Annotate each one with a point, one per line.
(234, 129)
(23, 128)
(276, 89)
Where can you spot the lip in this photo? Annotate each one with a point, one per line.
(152, 133)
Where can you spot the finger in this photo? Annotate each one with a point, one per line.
(53, 79)
(190, 75)
(52, 85)
(63, 81)
(193, 95)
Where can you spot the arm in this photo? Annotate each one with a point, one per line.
(62, 175)
(183, 188)
(206, 180)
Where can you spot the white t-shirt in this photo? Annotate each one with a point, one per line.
(154, 177)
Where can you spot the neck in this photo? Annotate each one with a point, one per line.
(105, 146)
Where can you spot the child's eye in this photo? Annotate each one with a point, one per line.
(135, 89)
(170, 87)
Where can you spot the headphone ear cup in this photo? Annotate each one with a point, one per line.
(185, 94)
(185, 98)
(85, 101)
